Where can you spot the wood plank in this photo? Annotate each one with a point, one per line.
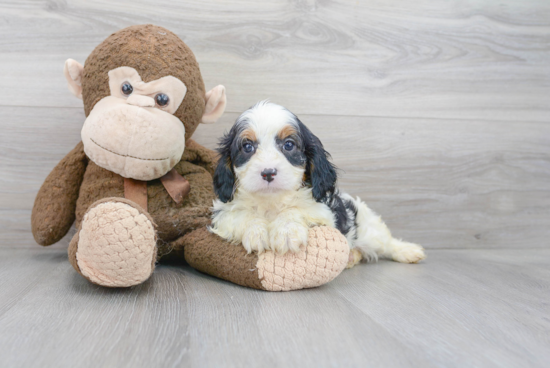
(22, 269)
(66, 321)
(166, 321)
(32, 143)
(443, 184)
(460, 308)
(477, 60)
(306, 329)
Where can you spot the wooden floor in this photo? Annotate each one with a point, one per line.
(461, 308)
(437, 114)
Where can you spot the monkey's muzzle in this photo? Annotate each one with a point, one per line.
(142, 143)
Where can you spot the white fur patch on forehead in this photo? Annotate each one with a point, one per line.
(267, 119)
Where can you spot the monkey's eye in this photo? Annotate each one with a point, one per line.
(127, 88)
(161, 99)
(289, 145)
(248, 147)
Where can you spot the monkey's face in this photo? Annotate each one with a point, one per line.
(144, 97)
(133, 132)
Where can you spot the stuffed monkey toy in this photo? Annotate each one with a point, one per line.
(140, 189)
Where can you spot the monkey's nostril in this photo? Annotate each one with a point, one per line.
(268, 174)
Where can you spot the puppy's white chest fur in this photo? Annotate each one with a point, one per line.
(270, 221)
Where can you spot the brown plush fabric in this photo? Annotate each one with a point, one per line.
(73, 247)
(324, 258)
(200, 155)
(54, 207)
(154, 52)
(210, 254)
(176, 185)
(136, 191)
(173, 219)
(76, 183)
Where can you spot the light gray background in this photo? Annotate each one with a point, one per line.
(437, 113)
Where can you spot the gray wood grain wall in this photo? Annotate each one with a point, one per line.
(437, 112)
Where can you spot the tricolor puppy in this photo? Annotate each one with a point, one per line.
(274, 181)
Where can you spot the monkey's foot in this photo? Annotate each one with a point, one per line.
(325, 257)
(116, 244)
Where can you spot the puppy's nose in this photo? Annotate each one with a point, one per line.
(268, 174)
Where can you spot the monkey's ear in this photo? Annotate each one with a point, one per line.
(215, 104)
(73, 71)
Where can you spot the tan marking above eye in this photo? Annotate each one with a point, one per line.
(249, 134)
(286, 132)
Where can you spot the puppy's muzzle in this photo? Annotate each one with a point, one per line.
(268, 174)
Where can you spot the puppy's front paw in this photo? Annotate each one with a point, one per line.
(408, 253)
(256, 238)
(287, 236)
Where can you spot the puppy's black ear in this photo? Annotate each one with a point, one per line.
(224, 177)
(320, 172)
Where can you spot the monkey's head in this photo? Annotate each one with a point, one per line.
(143, 97)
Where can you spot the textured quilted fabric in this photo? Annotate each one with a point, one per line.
(324, 258)
(116, 245)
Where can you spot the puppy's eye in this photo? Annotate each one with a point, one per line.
(248, 147)
(127, 88)
(289, 145)
(161, 99)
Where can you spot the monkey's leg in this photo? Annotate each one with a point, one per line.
(115, 245)
(324, 258)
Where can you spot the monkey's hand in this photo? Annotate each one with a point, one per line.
(54, 207)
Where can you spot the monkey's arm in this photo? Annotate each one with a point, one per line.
(54, 207)
(201, 156)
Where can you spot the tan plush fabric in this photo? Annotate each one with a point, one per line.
(215, 105)
(116, 244)
(142, 144)
(321, 261)
(171, 86)
(154, 52)
(324, 258)
(173, 219)
(73, 73)
(355, 258)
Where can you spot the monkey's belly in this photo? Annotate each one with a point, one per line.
(173, 220)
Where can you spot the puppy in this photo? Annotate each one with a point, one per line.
(274, 181)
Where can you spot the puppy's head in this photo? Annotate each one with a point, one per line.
(269, 150)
